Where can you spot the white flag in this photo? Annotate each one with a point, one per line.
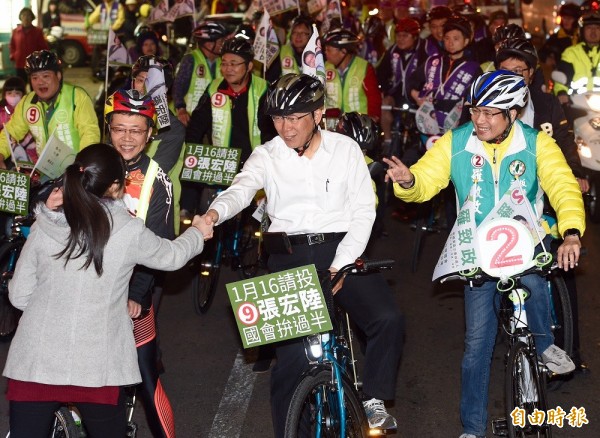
(117, 52)
(266, 44)
(180, 8)
(155, 86)
(313, 63)
(332, 13)
(461, 251)
(159, 12)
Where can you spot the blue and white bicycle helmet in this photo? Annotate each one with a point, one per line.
(500, 89)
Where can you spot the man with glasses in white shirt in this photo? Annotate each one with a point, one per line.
(320, 194)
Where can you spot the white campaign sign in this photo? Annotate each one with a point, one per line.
(506, 247)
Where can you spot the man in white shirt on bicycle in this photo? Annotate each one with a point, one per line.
(319, 192)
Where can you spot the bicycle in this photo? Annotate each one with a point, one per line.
(237, 242)
(525, 376)
(326, 401)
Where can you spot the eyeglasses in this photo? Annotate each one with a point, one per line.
(133, 132)
(291, 119)
(476, 112)
(517, 71)
(231, 64)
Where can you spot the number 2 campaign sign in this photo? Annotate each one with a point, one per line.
(284, 305)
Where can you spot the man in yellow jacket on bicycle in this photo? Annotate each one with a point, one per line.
(489, 154)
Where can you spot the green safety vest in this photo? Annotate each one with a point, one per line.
(42, 123)
(201, 77)
(347, 93)
(146, 192)
(221, 112)
(288, 60)
(465, 163)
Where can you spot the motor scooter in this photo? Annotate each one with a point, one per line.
(585, 105)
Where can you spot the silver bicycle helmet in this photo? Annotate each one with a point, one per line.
(500, 89)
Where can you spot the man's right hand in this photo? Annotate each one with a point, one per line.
(398, 172)
(183, 116)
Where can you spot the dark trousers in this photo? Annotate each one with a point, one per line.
(371, 306)
(34, 419)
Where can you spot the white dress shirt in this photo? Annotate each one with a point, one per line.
(330, 192)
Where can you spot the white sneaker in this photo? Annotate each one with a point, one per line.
(470, 435)
(378, 416)
(557, 360)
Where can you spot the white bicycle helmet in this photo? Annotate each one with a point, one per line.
(500, 89)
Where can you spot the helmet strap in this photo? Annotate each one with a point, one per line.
(300, 151)
(504, 134)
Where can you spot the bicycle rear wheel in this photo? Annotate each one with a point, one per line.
(9, 315)
(524, 393)
(204, 284)
(250, 251)
(64, 425)
(562, 323)
(314, 409)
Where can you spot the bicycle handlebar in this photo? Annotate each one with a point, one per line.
(361, 266)
(398, 108)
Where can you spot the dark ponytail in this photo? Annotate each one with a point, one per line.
(86, 181)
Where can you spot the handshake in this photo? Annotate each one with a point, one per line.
(206, 223)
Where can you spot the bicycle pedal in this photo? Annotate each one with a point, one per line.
(500, 427)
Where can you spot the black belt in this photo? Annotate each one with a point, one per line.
(314, 238)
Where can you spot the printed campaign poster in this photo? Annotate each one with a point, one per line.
(279, 306)
(180, 8)
(55, 158)
(156, 87)
(159, 12)
(266, 44)
(117, 52)
(14, 192)
(313, 63)
(213, 165)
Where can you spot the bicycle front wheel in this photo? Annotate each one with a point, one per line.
(562, 322)
(525, 394)
(9, 315)
(314, 409)
(204, 284)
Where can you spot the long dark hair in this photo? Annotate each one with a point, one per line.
(85, 182)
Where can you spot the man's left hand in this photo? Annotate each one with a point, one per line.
(568, 253)
(340, 283)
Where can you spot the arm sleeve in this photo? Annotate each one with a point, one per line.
(362, 198)
(24, 281)
(182, 81)
(17, 127)
(169, 142)
(200, 121)
(141, 285)
(371, 87)
(384, 73)
(120, 18)
(558, 182)
(431, 172)
(564, 136)
(86, 121)
(565, 65)
(243, 188)
(95, 16)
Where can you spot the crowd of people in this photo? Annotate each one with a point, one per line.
(483, 101)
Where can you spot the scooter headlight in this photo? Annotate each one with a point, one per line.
(594, 102)
(583, 148)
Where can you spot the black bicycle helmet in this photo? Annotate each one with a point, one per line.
(361, 128)
(509, 32)
(239, 45)
(42, 60)
(295, 93)
(209, 31)
(500, 89)
(342, 39)
(373, 27)
(590, 17)
(302, 19)
(519, 48)
(439, 12)
(569, 10)
(143, 63)
(245, 30)
(459, 23)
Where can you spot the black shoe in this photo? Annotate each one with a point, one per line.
(262, 365)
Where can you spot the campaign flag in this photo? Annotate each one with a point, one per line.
(266, 44)
(181, 8)
(333, 16)
(159, 12)
(55, 157)
(461, 251)
(155, 86)
(277, 6)
(117, 52)
(313, 63)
